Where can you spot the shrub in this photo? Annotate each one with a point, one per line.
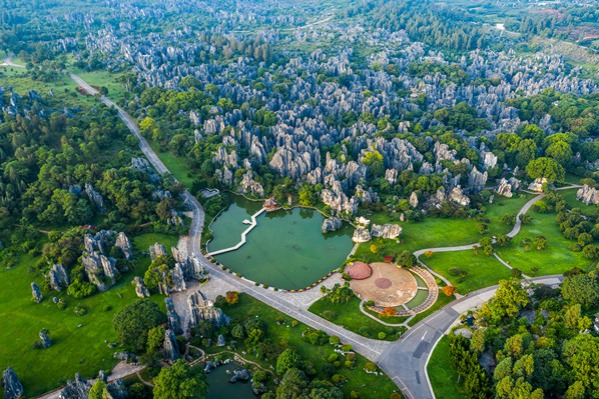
(80, 310)
(232, 298)
(81, 290)
(61, 305)
(107, 308)
(382, 335)
(448, 290)
(294, 323)
(370, 367)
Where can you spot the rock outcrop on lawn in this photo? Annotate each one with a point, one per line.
(12, 386)
(36, 293)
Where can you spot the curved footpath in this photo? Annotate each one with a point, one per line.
(8, 62)
(404, 360)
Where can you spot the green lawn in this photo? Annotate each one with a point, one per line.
(483, 271)
(65, 89)
(570, 198)
(75, 349)
(177, 166)
(441, 232)
(348, 315)
(103, 79)
(142, 242)
(442, 376)
(555, 259)
(370, 386)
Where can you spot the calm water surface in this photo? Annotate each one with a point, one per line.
(286, 249)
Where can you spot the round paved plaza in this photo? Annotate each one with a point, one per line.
(388, 285)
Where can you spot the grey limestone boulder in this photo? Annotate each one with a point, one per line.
(76, 389)
(390, 231)
(140, 289)
(457, 195)
(36, 293)
(178, 278)
(476, 180)
(123, 243)
(99, 269)
(588, 195)
(46, 341)
(537, 185)
(12, 386)
(58, 276)
(94, 196)
(413, 199)
(240, 375)
(173, 318)
(171, 348)
(361, 235)
(201, 308)
(331, 224)
(156, 251)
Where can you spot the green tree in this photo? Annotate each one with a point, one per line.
(292, 385)
(547, 168)
(507, 302)
(582, 354)
(575, 391)
(181, 381)
(561, 152)
(287, 360)
(374, 160)
(406, 259)
(155, 339)
(98, 390)
(582, 289)
(134, 321)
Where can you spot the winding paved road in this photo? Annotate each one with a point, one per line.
(8, 62)
(405, 360)
(367, 347)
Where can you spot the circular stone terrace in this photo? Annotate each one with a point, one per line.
(388, 285)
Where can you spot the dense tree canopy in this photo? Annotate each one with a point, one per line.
(180, 381)
(135, 320)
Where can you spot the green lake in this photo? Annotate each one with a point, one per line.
(286, 249)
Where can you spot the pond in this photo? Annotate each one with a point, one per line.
(286, 249)
(220, 388)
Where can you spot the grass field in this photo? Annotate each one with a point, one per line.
(370, 386)
(348, 315)
(556, 258)
(441, 232)
(442, 376)
(570, 198)
(175, 165)
(65, 90)
(483, 271)
(103, 79)
(75, 349)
